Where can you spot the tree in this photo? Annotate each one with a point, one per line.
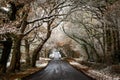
(7, 44)
(56, 17)
(105, 32)
(85, 32)
(112, 38)
(52, 13)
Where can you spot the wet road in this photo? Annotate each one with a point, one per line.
(58, 70)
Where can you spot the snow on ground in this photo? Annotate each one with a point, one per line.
(46, 59)
(76, 64)
(41, 65)
(42, 62)
(8, 64)
(95, 73)
(101, 76)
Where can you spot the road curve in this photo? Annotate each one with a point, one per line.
(58, 70)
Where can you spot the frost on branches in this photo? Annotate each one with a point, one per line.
(7, 28)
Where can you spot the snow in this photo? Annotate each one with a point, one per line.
(95, 73)
(77, 64)
(41, 65)
(46, 59)
(8, 64)
(42, 62)
(101, 76)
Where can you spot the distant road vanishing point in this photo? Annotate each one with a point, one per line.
(58, 70)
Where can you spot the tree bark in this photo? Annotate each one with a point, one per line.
(111, 44)
(108, 47)
(38, 49)
(16, 55)
(27, 54)
(116, 46)
(5, 54)
(84, 47)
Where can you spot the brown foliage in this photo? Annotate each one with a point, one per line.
(18, 75)
(116, 69)
(21, 1)
(112, 10)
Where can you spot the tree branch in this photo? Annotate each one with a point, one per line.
(31, 30)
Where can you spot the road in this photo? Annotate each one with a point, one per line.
(58, 70)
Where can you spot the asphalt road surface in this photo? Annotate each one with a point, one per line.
(58, 70)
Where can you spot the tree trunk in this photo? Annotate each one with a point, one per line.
(108, 47)
(5, 54)
(16, 55)
(86, 51)
(112, 44)
(38, 49)
(116, 46)
(27, 47)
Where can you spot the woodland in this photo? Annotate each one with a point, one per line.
(84, 30)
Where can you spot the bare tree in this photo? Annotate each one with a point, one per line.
(105, 33)
(50, 13)
(5, 52)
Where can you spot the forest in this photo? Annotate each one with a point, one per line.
(83, 31)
